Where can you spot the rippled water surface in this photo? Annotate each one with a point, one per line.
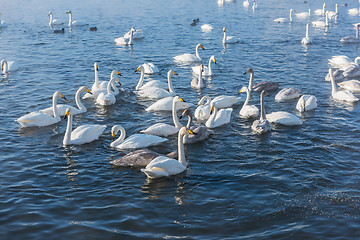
(294, 183)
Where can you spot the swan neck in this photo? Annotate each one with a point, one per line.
(174, 114)
(197, 51)
(307, 31)
(251, 81)
(97, 78)
(110, 85)
(357, 31)
(209, 67)
(4, 66)
(70, 19)
(200, 80)
(170, 85)
(67, 136)
(55, 109)
(51, 19)
(78, 102)
(121, 138)
(141, 80)
(263, 114)
(247, 97)
(131, 36)
(224, 38)
(188, 125)
(333, 84)
(181, 151)
(212, 116)
(290, 15)
(202, 100)
(326, 19)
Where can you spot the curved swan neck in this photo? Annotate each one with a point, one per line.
(263, 114)
(54, 105)
(121, 137)
(141, 80)
(188, 125)
(307, 31)
(197, 51)
(51, 19)
(170, 85)
(131, 36)
(110, 84)
(202, 100)
(174, 113)
(67, 136)
(290, 15)
(247, 97)
(213, 115)
(333, 84)
(78, 102)
(181, 152)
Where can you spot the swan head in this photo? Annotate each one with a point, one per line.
(68, 12)
(57, 94)
(213, 59)
(178, 99)
(184, 131)
(115, 129)
(140, 68)
(96, 66)
(200, 46)
(67, 113)
(171, 72)
(224, 29)
(292, 10)
(85, 89)
(243, 89)
(249, 70)
(132, 29)
(50, 13)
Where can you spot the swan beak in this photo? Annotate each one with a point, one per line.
(97, 68)
(118, 81)
(113, 135)
(202, 47)
(303, 106)
(182, 100)
(181, 117)
(244, 73)
(191, 132)
(214, 61)
(211, 110)
(175, 73)
(240, 91)
(89, 91)
(138, 69)
(63, 97)
(66, 114)
(119, 74)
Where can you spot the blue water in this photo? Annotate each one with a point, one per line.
(294, 183)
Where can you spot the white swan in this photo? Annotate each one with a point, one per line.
(200, 133)
(134, 141)
(74, 23)
(321, 24)
(354, 11)
(165, 104)
(137, 34)
(82, 134)
(306, 103)
(207, 71)
(54, 21)
(108, 98)
(198, 82)
(286, 94)
(320, 11)
(349, 39)
(9, 66)
(282, 20)
(187, 57)
(248, 111)
(150, 68)
(229, 39)
(156, 92)
(342, 62)
(344, 96)
(153, 83)
(97, 86)
(351, 85)
(63, 107)
(218, 117)
(303, 15)
(264, 85)
(262, 125)
(127, 40)
(206, 28)
(163, 129)
(352, 72)
(202, 112)
(254, 5)
(306, 40)
(246, 3)
(163, 166)
(40, 119)
(284, 118)
(333, 14)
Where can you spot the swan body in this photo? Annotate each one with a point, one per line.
(63, 107)
(321, 24)
(229, 39)
(337, 75)
(153, 83)
(187, 57)
(156, 92)
(137, 158)
(126, 40)
(344, 96)
(207, 71)
(218, 117)
(137, 34)
(98, 86)
(342, 62)
(286, 94)
(163, 166)
(108, 98)
(354, 11)
(200, 132)
(3, 24)
(306, 103)
(349, 39)
(54, 21)
(40, 119)
(248, 111)
(246, 3)
(320, 11)
(333, 14)
(198, 82)
(75, 23)
(303, 15)
(351, 85)
(262, 125)
(8, 66)
(134, 141)
(82, 134)
(163, 129)
(150, 68)
(206, 28)
(306, 40)
(165, 104)
(224, 101)
(283, 118)
(352, 72)
(282, 20)
(202, 112)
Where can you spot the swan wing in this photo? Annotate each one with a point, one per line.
(155, 93)
(187, 57)
(283, 118)
(202, 113)
(150, 68)
(161, 129)
(140, 141)
(37, 119)
(286, 94)
(249, 111)
(224, 101)
(169, 165)
(86, 133)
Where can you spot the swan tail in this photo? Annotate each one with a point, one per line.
(155, 172)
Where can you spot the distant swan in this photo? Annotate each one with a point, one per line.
(218, 117)
(342, 62)
(108, 98)
(349, 39)
(134, 141)
(246, 3)
(306, 103)
(54, 21)
(206, 28)
(284, 118)
(156, 92)
(82, 134)
(303, 15)
(198, 82)
(200, 132)
(262, 125)
(248, 111)
(126, 40)
(282, 20)
(137, 34)
(8, 66)
(320, 11)
(187, 57)
(286, 94)
(165, 104)
(354, 11)
(40, 119)
(163, 166)
(153, 83)
(333, 14)
(321, 24)
(344, 96)
(229, 39)
(306, 40)
(74, 23)
(337, 74)
(150, 68)
(351, 85)
(207, 71)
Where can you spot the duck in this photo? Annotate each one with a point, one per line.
(306, 103)
(303, 15)
(150, 68)
(93, 29)
(62, 108)
(83, 134)
(282, 20)
(126, 40)
(8, 66)
(283, 118)
(165, 104)
(343, 96)
(202, 112)
(207, 28)
(200, 133)
(262, 125)
(351, 85)
(248, 111)
(163, 129)
(40, 119)
(137, 34)
(3, 24)
(187, 57)
(98, 86)
(321, 24)
(320, 11)
(306, 40)
(207, 71)
(153, 83)
(164, 166)
(134, 141)
(229, 39)
(54, 21)
(264, 85)
(74, 23)
(349, 39)
(157, 92)
(106, 99)
(62, 30)
(218, 117)
(198, 82)
(287, 94)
